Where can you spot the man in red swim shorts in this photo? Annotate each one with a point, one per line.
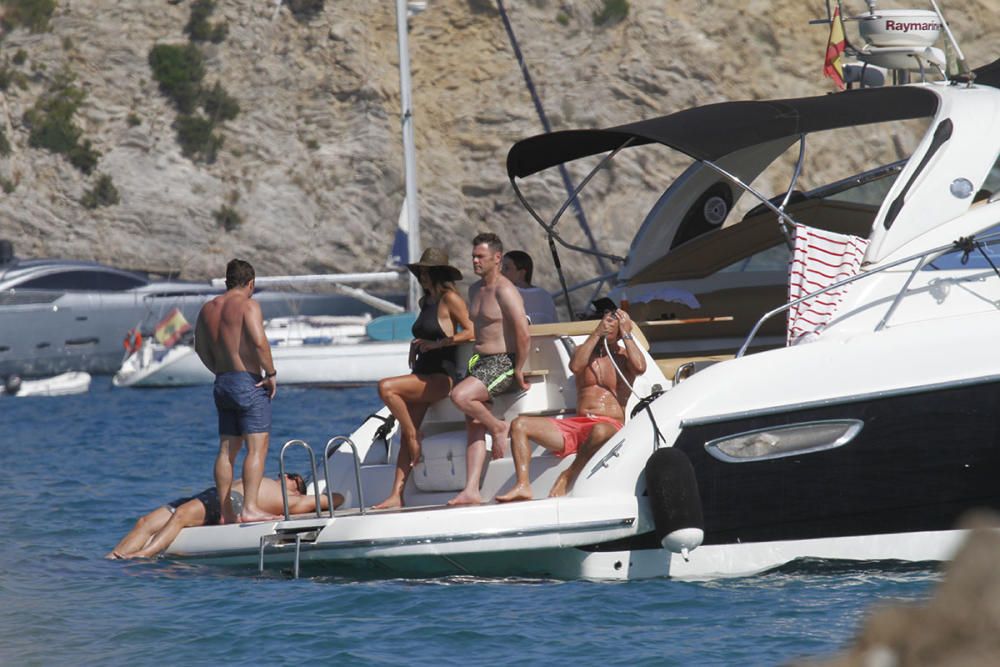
(600, 400)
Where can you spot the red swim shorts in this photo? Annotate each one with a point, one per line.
(576, 430)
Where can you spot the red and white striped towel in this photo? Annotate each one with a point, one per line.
(819, 258)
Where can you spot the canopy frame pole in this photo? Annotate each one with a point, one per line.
(791, 186)
(552, 236)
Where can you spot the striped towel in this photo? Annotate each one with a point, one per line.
(819, 258)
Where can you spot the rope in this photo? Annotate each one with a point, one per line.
(643, 403)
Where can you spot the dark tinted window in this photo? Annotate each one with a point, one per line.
(83, 280)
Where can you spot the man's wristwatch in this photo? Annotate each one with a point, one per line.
(271, 374)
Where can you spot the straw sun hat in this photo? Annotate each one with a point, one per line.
(435, 257)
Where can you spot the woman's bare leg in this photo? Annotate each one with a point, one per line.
(408, 397)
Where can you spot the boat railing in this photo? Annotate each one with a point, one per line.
(332, 446)
(967, 244)
(312, 463)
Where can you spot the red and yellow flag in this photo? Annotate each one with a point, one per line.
(171, 328)
(833, 66)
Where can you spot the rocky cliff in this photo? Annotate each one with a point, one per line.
(313, 162)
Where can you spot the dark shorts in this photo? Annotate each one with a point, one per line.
(210, 499)
(496, 371)
(243, 407)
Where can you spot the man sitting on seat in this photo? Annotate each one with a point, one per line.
(157, 530)
(600, 406)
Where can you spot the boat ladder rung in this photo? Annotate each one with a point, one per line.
(292, 533)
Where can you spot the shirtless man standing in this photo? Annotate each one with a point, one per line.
(600, 400)
(501, 349)
(230, 341)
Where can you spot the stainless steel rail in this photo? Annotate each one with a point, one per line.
(332, 445)
(312, 463)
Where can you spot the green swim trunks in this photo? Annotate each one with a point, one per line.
(496, 371)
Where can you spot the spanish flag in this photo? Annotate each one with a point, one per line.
(171, 328)
(833, 66)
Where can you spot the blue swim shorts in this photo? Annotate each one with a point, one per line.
(243, 407)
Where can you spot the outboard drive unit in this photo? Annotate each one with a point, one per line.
(674, 499)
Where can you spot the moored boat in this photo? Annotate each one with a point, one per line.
(863, 431)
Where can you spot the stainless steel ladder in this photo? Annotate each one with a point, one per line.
(301, 531)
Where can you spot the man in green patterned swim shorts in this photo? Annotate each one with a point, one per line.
(501, 349)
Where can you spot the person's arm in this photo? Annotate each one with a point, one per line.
(307, 503)
(512, 310)
(458, 311)
(636, 360)
(254, 323)
(583, 352)
(202, 344)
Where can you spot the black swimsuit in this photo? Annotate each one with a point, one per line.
(427, 327)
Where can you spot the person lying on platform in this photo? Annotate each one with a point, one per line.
(156, 531)
(600, 405)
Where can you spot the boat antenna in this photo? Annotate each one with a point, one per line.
(409, 157)
(964, 66)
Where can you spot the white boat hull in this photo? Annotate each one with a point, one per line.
(344, 364)
(64, 384)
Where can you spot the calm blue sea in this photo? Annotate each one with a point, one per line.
(78, 470)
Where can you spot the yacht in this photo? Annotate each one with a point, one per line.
(856, 419)
(61, 315)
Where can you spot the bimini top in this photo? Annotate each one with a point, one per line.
(713, 131)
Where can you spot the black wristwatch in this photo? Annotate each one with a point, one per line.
(270, 375)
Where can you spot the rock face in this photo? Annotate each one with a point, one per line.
(313, 163)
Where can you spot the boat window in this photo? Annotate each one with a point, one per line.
(991, 187)
(83, 280)
(952, 261)
(872, 192)
(780, 441)
(774, 258)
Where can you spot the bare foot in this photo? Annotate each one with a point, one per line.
(114, 555)
(466, 498)
(392, 502)
(559, 488)
(519, 492)
(499, 448)
(251, 517)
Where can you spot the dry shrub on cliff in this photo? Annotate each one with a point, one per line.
(31, 14)
(50, 121)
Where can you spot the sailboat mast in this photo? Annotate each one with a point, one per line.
(409, 157)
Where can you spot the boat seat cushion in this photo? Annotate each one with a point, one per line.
(442, 463)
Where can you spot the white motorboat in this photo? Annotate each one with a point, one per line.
(332, 351)
(65, 315)
(866, 438)
(64, 384)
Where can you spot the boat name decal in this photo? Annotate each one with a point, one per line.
(901, 26)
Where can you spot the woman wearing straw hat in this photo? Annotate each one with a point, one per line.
(432, 359)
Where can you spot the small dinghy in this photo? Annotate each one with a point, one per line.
(64, 384)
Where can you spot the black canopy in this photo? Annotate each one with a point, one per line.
(715, 130)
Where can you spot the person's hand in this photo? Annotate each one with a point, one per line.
(497, 451)
(521, 382)
(606, 325)
(426, 345)
(271, 384)
(624, 323)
